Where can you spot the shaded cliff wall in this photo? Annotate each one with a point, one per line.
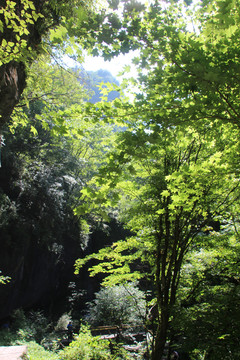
(39, 274)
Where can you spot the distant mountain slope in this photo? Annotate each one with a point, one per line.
(94, 78)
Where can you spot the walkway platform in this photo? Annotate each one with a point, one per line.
(12, 352)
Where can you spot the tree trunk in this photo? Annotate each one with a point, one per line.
(12, 84)
(161, 337)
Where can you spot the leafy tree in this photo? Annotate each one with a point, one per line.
(177, 167)
(172, 183)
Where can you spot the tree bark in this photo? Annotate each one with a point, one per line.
(12, 84)
(161, 337)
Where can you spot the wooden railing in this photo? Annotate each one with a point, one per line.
(101, 330)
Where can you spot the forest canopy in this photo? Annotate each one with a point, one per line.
(163, 162)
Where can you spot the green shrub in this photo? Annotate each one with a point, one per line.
(32, 326)
(37, 352)
(7, 337)
(117, 305)
(86, 347)
(62, 322)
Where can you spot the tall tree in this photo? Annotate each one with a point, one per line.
(181, 154)
(172, 183)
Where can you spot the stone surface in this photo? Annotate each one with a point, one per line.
(12, 352)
